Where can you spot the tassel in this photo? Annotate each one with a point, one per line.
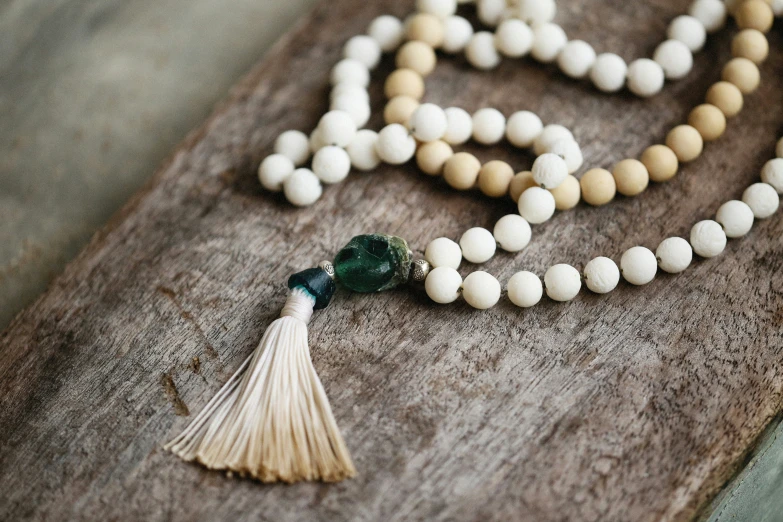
(272, 420)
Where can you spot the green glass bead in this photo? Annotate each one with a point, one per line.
(373, 262)
(317, 282)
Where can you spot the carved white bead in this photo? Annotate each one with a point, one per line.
(337, 128)
(294, 145)
(675, 59)
(514, 38)
(736, 217)
(481, 51)
(638, 265)
(354, 106)
(674, 255)
(537, 11)
(331, 164)
(489, 126)
(549, 40)
(549, 135)
(762, 199)
(457, 32)
(576, 59)
(274, 170)
(443, 252)
(711, 13)
(601, 275)
(609, 72)
(689, 31)
(536, 205)
(428, 122)
(362, 150)
(562, 282)
(481, 290)
(772, 174)
(388, 31)
(363, 49)
(302, 188)
(570, 151)
(522, 128)
(439, 8)
(459, 126)
(350, 71)
(645, 77)
(442, 284)
(478, 245)
(395, 146)
(549, 170)
(708, 238)
(525, 289)
(512, 232)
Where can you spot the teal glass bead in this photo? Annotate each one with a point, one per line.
(317, 282)
(373, 262)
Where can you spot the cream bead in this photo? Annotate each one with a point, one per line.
(457, 32)
(630, 177)
(443, 252)
(645, 77)
(428, 122)
(638, 265)
(743, 73)
(661, 162)
(362, 151)
(416, 56)
(363, 49)
(514, 38)
(461, 170)
(395, 146)
(686, 142)
(688, 30)
(425, 27)
(537, 11)
(567, 193)
(549, 170)
(725, 96)
(481, 290)
(443, 284)
(675, 59)
(754, 14)
(762, 199)
(439, 8)
(404, 82)
(772, 173)
(674, 255)
(489, 126)
(459, 126)
(350, 71)
(779, 148)
(549, 136)
(598, 187)
(302, 188)
(399, 110)
(562, 282)
(481, 51)
(294, 145)
(536, 205)
(274, 170)
(570, 151)
(490, 11)
(711, 13)
(548, 40)
(331, 164)
(608, 72)
(708, 120)
(431, 156)
(520, 183)
(388, 31)
(736, 217)
(601, 275)
(576, 59)
(478, 245)
(708, 238)
(337, 128)
(494, 178)
(512, 233)
(750, 44)
(522, 128)
(525, 289)
(356, 108)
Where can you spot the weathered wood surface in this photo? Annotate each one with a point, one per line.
(633, 406)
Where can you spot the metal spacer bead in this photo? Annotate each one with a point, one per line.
(419, 270)
(327, 267)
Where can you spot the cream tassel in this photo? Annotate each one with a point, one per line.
(272, 420)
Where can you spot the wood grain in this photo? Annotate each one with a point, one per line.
(632, 406)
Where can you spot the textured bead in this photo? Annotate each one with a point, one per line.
(353, 90)
(481, 290)
(439, 8)
(395, 146)
(562, 282)
(461, 170)
(457, 32)
(675, 59)
(425, 27)
(689, 31)
(294, 145)
(302, 188)
(489, 126)
(686, 142)
(736, 217)
(430, 157)
(754, 14)
(372, 263)
(570, 151)
(512, 233)
(443, 284)
(550, 135)
(630, 177)
(708, 120)
(490, 11)
(331, 164)
(601, 275)
(443, 252)
(549, 170)
(525, 289)
(357, 108)
(416, 56)
(608, 72)
(514, 38)
(576, 59)
(638, 265)
(645, 77)
(481, 51)
(404, 82)
(350, 71)
(674, 255)
(494, 178)
(598, 187)
(388, 31)
(711, 13)
(459, 127)
(520, 183)
(743, 73)
(537, 11)
(661, 162)
(708, 238)
(362, 151)
(363, 49)
(750, 44)
(478, 245)
(567, 194)
(316, 282)
(399, 110)
(337, 128)
(428, 122)
(762, 199)
(772, 173)
(522, 128)
(274, 170)
(548, 40)
(725, 96)
(536, 205)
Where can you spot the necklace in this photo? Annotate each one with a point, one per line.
(272, 420)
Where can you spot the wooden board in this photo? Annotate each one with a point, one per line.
(632, 406)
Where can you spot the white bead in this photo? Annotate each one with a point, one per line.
(674, 255)
(638, 265)
(443, 252)
(302, 188)
(274, 170)
(645, 77)
(512, 233)
(675, 59)
(525, 289)
(772, 173)
(481, 52)
(331, 164)
(460, 126)
(489, 126)
(523, 128)
(316, 141)
(549, 40)
(549, 170)
(362, 150)
(457, 32)
(602, 275)
(689, 31)
(478, 245)
(490, 11)
(736, 217)
(388, 31)
(442, 284)
(514, 38)
(711, 14)
(481, 290)
(609, 72)
(294, 145)
(395, 146)
(708, 238)
(777, 7)
(350, 71)
(428, 122)
(570, 151)
(439, 8)
(536, 205)
(576, 59)
(537, 11)
(357, 109)
(562, 282)
(337, 128)
(352, 89)
(779, 148)
(762, 199)
(363, 49)
(551, 134)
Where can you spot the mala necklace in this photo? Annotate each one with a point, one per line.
(272, 421)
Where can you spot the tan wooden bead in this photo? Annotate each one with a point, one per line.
(743, 73)
(567, 194)
(727, 97)
(661, 163)
(708, 120)
(598, 187)
(399, 110)
(630, 177)
(461, 170)
(426, 28)
(494, 178)
(755, 14)
(417, 56)
(686, 143)
(520, 183)
(750, 44)
(431, 156)
(404, 82)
